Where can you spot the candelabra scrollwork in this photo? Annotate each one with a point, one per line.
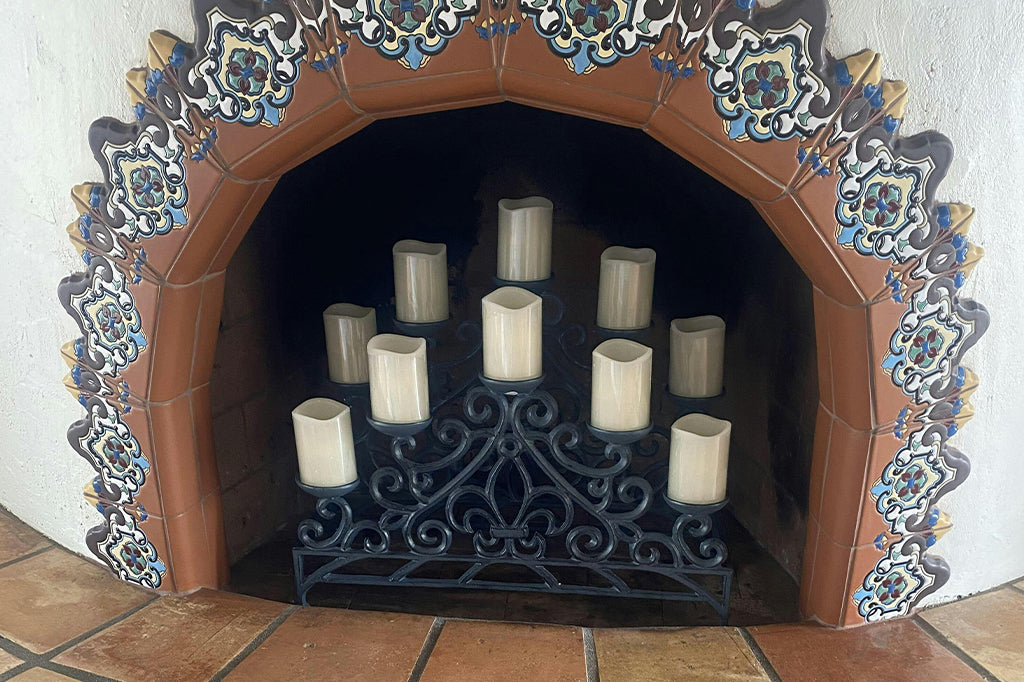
(501, 480)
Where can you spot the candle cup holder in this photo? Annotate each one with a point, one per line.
(695, 510)
(631, 334)
(537, 286)
(620, 437)
(398, 430)
(524, 387)
(426, 330)
(688, 404)
(329, 491)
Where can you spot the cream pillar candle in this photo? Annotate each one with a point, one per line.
(421, 281)
(698, 459)
(696, 356)
(323, 440)
(621, 391)
(626, 288)
(513, 323)
(524, 239)
(348, 328)
(398, 379)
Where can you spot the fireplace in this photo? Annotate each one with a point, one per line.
(744, 93)
(717, 256)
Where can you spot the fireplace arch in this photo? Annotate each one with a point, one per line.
(748, 94)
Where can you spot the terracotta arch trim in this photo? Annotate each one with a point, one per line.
(746, 93)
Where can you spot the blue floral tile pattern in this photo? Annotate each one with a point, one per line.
(765, 83)
(104, 308)
(250, 70)
(107, 443)
(147, 175)
(588, 34)
(123, 546)
(899, 580)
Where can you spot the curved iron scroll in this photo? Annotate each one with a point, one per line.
(501, 484)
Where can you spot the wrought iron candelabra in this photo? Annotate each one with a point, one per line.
(507, 487)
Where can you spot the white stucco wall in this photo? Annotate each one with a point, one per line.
(65, 66)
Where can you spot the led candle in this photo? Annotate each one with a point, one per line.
(513, 322)
(626, 289)
(524, 239)
(696, 356)
(421, 281)
(348, 328)
(698, 459)
(621, 390)
(323, 440)
(398, 379)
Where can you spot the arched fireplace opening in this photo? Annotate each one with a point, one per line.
(325, 235)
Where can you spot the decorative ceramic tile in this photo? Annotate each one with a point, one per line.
(123, 546)
(105, 441)
(105, 310)
(902, 577)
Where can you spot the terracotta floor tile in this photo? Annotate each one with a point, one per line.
(693, 654)
(883, 651)
(1020, 585)
(8, 661)
(17, 539)
(334, 644)
(469, 651)
(989, 628)
(40, 675)
(56, 596)
(175, 638)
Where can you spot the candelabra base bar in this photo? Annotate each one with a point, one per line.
(603, 579)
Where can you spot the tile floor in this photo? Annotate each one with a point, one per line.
(63, 618)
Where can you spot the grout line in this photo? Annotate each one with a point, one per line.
(256, 642)
(590, 655)
(18, 651)
(755, 649)
(26, 556)
(75, 673)
(34, 660)
(56, 651)
(16, 670)
(952, 648)
(428, 648)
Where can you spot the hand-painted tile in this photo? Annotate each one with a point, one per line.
(901, 577)
(124, 547)
(105, 441)
(100, 301)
